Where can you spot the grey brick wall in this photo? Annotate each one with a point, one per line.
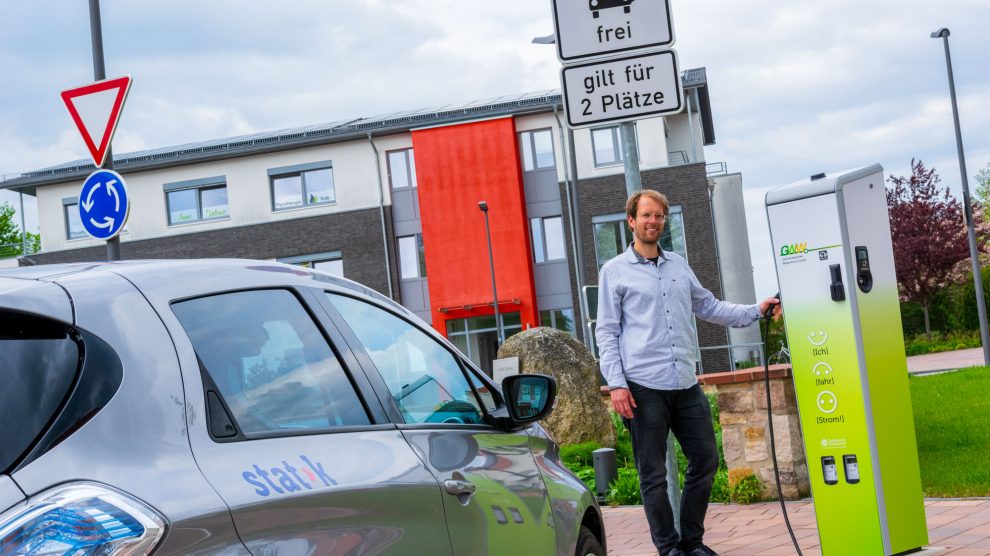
(356, 234)
(685, 185)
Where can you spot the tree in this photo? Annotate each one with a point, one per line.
(11, 240)
(928, 233)
(982, 193)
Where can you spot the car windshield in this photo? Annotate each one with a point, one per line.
(38, 363)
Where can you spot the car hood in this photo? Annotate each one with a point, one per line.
(10, 493)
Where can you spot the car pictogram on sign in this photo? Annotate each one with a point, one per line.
(596, 5)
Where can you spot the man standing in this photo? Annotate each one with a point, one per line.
(646, 300)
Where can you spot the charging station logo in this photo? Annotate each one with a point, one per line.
(793, 249)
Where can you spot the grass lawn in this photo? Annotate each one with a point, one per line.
(951, 411)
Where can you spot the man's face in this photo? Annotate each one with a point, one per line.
(648, 224)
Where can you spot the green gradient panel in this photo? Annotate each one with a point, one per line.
(893, 418)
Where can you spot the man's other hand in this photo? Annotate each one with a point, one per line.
(766, 303)
(622, 402)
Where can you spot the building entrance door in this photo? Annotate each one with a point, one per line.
(477, 337)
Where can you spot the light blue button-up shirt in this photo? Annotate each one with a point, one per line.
(644, 331)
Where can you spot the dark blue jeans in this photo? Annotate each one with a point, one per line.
(688, 414)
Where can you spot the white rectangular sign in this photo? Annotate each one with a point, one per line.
(502, 368)
(587, 28)
(622, 89)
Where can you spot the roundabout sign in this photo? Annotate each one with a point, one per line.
(103, 204)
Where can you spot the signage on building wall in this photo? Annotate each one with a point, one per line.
(95, 109)
(619, 89)
(103, 204)
(590, 28)
(502, 368)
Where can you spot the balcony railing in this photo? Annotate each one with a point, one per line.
(716, 169)
(12, 250)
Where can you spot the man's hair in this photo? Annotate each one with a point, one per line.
(633, 203)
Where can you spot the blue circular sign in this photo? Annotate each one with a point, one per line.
(103, 204)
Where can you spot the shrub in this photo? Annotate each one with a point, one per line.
(720, 488)
(577, 456)
(744, 487)
(624, 490)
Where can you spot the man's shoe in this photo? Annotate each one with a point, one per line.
(701, 550)
(675, 552)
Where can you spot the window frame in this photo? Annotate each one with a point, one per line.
(66, 203)
(352, 369)
(544, 256)
(420, 251)
(198, 185)
(300, 171)
(616, 136)
(551, 313)
(315, 258)
(527, 142)
(410, 164)
(378, 384)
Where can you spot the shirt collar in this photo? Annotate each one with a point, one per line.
(634, 257)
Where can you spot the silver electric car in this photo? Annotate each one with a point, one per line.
(247, 407)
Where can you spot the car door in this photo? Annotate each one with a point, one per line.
(291, 440)
(494, 496)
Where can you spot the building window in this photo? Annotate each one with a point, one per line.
(548, 239)
(302, 185)
(196, 200)
(331, 263)
(537, 149)
(401, 169)
(73, 224)
(612, 235)
(607, 146)
(561, 319)
(412, 262)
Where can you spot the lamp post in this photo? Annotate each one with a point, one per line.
(973, 252)
(491, 262)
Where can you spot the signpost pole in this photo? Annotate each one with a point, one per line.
(99, 74)
(634, 181)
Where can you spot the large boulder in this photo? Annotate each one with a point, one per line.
(579, 415)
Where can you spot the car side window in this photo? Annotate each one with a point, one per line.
(274, 368)
(424, 378)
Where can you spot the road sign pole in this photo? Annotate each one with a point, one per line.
(634, 181)
(99, 74)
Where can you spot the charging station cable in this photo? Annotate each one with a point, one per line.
(773, 448)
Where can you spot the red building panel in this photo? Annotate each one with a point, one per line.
(456, 167)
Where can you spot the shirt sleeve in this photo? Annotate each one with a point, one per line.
(708, 308)
(607, 330)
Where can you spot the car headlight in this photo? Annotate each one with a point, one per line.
(81, 518)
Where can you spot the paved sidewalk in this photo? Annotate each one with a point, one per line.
(945, 360)
(955, 527)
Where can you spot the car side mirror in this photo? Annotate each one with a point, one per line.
(528, 398)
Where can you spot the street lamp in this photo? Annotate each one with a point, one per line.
(981, 308)
(491, 262)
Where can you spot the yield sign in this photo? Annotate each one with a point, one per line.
(95, 108)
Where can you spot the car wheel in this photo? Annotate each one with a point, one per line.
(588, 545)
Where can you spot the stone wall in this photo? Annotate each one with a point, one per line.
(745, 438)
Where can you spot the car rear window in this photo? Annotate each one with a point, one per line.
(38, 363)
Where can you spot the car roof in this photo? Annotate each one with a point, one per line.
(166, 280)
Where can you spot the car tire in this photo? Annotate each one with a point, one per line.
(588, 545)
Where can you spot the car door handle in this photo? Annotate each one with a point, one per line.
(457, 488)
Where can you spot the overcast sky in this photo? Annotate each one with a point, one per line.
(796, 87)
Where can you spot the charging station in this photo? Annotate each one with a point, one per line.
(835, 267)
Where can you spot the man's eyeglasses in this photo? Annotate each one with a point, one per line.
(657, 217)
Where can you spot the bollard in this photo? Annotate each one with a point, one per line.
(605, 469)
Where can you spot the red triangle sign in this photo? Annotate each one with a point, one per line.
(95, 109)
